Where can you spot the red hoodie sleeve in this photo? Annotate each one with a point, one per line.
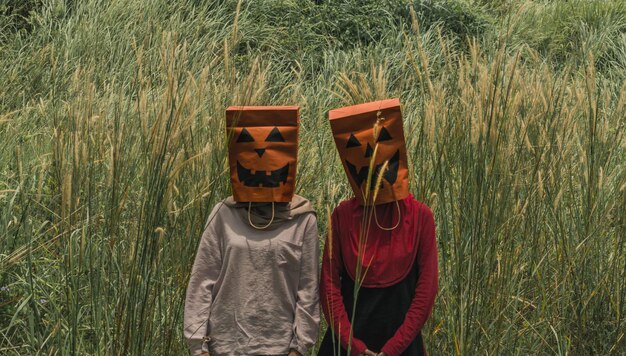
(330, 291)
(425, 290)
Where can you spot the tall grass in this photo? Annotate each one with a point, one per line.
(112, 144)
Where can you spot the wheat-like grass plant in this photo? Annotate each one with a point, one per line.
(113, 151)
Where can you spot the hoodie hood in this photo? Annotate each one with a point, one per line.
(261, 213)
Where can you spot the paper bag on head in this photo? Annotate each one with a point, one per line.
(353, 129)
(262, 152)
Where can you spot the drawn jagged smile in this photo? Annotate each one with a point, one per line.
(390, 175)
(266, 179)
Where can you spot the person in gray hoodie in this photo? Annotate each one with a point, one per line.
(253, 288)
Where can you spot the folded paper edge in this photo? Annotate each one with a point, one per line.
(353, 110)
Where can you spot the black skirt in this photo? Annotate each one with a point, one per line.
(379, 313)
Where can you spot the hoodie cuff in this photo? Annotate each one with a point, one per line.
(358, 347)
(298, 348)
(300, 351)
(295, 345)
(390, 350)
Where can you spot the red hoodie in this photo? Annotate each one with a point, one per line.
(386, 257)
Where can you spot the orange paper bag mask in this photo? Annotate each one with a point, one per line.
(353, 129)
(262, 152)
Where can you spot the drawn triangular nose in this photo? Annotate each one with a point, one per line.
(369, 151)
(260, 151)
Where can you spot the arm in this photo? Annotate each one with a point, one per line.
(307, 314)
(330, 292)
(425, 290)
(205, 271)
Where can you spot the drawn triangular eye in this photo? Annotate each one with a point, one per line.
(353, 141)
(384, 135)
(275, 136)
(245, 136)
(369, 151)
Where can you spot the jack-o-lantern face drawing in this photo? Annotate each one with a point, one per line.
(262, 152)
(353, 129)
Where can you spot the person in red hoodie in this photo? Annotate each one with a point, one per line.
(379, 268)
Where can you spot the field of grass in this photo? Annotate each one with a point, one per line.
(112, 153)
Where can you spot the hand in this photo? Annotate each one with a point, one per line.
(293, 352)
(382, 354)
(368, 353)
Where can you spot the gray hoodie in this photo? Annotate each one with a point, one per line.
(251, 291)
